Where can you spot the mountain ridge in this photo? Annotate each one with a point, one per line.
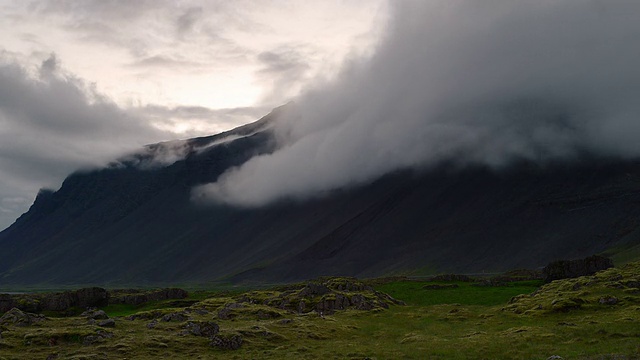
(132, 223)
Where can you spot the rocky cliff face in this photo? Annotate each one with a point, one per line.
(133, 223)
(568, 269)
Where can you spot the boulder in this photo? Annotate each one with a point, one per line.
(608, 300)
(202, 328)
(176, 317)
(98, 337)
(107, 323)
(58, 301)
(17, 317)
(566, 269)
(95, 314)
(227, 342)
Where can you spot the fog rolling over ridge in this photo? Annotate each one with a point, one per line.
(469, 81)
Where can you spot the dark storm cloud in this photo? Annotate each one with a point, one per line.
(466, 81)
(51, 124)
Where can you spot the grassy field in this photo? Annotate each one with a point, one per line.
(567, 318)
(466, 293)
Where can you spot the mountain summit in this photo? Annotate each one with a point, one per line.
(136, 221)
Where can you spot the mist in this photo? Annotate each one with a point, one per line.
(472, 82)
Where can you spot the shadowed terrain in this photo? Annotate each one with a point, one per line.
(134, 222)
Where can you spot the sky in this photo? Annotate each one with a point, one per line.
(373, 87)
(85, 81)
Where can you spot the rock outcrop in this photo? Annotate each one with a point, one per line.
(568, 269)
(137, 297)
(84, 298)
(19, 318)
(323, 295)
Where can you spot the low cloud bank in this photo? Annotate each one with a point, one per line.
(473, 82)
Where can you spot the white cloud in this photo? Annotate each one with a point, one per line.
(464, 81)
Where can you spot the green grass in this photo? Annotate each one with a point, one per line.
(467, 322)
(412, 293)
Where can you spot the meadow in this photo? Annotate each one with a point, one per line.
(594, 317)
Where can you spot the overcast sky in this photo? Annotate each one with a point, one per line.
(378, 86)
(464, 81)
(83, 81)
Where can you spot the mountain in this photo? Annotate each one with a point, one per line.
(133, 222)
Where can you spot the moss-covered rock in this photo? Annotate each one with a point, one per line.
(323, 295)
(605, 288)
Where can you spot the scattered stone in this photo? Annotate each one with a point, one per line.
(202, 328)
(267, 314)
(145, 315)
(285, 321)
(566, 269)
(95, 314)
(98, 337)
(608, 300)
(555, 357)
(227, 343)
(152, 324)
(226, 313)
(175, 317)
(201, 311)
(107, 323)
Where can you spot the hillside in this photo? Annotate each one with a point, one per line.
(133, 222)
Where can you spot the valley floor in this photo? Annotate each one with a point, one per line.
(596, 317)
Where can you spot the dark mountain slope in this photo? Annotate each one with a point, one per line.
(134, 223)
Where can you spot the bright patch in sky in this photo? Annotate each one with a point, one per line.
(216, 54)
(85, 81)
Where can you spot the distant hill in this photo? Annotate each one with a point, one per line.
(133, 222)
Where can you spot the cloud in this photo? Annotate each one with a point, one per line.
(161, 61)
(286, 68)
(186, 22)
(465, 81)
(192, 121)
(52, 123)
